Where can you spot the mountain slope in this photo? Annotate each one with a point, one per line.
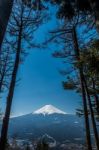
(53, 122)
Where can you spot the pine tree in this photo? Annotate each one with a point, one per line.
(23, 22)
(69, 15)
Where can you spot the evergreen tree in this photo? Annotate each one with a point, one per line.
(23, 22)
(73, 17)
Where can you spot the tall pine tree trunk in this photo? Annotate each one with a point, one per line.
(87, 126)
(5, 10)
(92, 116)
(10, 94)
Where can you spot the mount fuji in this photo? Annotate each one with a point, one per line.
(48, 109)
(48, 120)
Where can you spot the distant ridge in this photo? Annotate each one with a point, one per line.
(49, 109)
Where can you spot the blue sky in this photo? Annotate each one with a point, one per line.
(41, 82)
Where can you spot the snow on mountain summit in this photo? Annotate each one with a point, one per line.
(48, 109)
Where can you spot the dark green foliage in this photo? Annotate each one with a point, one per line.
(84, 5)
(69, 85)
(66, 10)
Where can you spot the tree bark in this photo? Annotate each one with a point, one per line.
(5, 10)
(92, 116)
(87, 126)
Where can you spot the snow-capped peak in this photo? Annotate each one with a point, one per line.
(48, 109)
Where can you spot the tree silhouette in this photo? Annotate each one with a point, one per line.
(24, 21)
(6, 65)
(73, 18)
(5, 11)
